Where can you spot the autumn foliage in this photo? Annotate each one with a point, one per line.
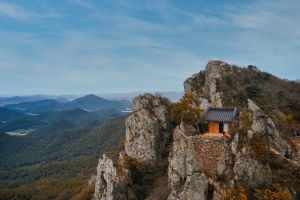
(187, 109)
(275, 192)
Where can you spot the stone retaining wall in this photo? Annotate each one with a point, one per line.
(211, 152)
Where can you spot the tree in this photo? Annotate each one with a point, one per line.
(253, 91)
(187, 110)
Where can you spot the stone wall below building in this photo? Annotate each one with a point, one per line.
(212, 152)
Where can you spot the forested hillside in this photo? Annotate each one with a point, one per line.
(56, 161)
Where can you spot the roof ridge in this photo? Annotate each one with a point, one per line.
(224, 114)
(222, 108)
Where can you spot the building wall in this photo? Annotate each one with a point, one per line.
(226, 128)
(213, 127)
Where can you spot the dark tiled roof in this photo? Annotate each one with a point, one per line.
(220, 114)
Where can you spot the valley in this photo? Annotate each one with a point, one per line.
(56, 147)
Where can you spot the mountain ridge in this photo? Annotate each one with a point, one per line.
(89, 102)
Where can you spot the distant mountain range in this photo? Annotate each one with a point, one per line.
(37, 111)
(94, 103)
(20, 99)
(173, 96)
(89, 103)
(37, 114)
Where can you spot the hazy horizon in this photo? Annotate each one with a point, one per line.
(83, 47)
(97, 94)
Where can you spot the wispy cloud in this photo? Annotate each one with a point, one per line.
(120, 46)
(84, 4)
(14, 11)
(274, 17)
(22, 13)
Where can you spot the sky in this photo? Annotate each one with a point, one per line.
(117, 46)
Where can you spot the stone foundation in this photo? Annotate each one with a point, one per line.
(211, 151)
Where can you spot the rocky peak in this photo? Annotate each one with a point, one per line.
(111, 182)
(200, 166)
(146, 101)
(204, 83)
(147, 128)
(213, 72)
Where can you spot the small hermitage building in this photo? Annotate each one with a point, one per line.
(219, 119)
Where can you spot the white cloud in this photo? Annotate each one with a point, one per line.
(81, 62)
(273, 17)
(84, 4)
(21, 13)
(131, 53)
(14, 11)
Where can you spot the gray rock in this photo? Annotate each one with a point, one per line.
(147, 128)
(112, 184)
(264, 125)
(186, 181)
(204, 83)
(250, 171)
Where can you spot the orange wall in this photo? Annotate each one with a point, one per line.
(213, 127)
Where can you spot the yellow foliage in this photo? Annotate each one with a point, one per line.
(276, 192)
(86, 193)
(239, 193)
(259, 146)
(187, 109)
(289, 117)
(245, 118)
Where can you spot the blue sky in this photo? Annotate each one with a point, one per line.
(107, 46)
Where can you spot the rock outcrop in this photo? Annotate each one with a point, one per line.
(207, 84)
(112, 183)
(147, 131)
(206, 168)
(196, 163)
(249, 171)
(203, 166)
(147, 128)
(204, 83)
(186, 178)
(264, 125)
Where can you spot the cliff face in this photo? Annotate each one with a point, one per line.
(112, 183)
(186, 176)
(147, 128)
(147, 132)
